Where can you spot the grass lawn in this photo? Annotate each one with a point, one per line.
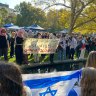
(31, 58)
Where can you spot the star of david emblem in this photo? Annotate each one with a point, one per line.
(52, 92)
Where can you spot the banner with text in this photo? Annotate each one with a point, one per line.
(40, 46)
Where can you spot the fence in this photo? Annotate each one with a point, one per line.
(66, 65)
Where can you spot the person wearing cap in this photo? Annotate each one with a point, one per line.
(4, 44)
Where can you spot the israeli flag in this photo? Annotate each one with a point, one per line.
(53, 84)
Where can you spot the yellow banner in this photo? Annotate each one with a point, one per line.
(40, 46)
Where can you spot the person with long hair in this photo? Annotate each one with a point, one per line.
(19, 46)
(88, 82)
(4, 44)
(10, 80)
(91, 61)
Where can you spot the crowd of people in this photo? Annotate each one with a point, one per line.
(69, 45)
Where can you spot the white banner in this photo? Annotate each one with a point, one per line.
(41, 46)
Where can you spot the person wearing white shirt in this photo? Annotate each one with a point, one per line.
(73, 45)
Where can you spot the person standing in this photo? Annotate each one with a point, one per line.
(73, 45)
(19, 47)
(64, 47)
(79, 45)
(51, 57)
(60, 48)
(37, 55)
(68, 48)
(4, 44)
(83, 48)
(12, 43)
(25, 56)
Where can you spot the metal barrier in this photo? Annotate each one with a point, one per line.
(66, 65)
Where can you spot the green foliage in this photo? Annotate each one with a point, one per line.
(3, 15)
(75, 9)
(29, 15)
(6, 17)
(11, 18)
(57, 19)
(88, 14)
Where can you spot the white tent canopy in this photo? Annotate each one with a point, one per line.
(64, 31)
(35, 27)
(14, 27)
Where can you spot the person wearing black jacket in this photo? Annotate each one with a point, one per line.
(12, 43)
(4, 44)
(19, 47)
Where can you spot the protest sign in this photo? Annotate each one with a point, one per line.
(40, 46)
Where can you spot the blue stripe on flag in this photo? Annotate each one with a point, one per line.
(45, 82)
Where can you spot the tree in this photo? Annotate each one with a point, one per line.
(29, 15)
(87, 17)
(57, 19)
(76, 8)
(11, 18)
(3, 16)
(6, 17)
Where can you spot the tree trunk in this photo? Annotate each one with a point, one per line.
(72, 17)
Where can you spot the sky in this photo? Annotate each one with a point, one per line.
(13, 3)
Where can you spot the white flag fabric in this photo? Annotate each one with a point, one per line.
(53, 84)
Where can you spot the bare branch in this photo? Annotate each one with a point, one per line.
(81, 2)
(57, 4)
(89, 3)
(94, 21)
(83, 6)
(84, 22)
(84, 15)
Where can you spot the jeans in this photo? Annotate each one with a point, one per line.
(62, 54)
